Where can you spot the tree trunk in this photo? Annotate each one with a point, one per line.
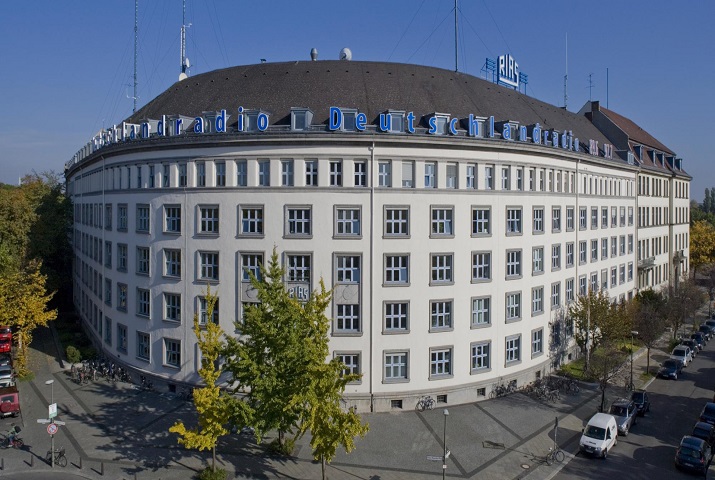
(647, 363)
(213, 465)
(322, 465)
(603, 399)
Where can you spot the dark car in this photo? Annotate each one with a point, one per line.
(694, 454)
(694, 345)
(705, 330)
(710, 323)
(708, 413)
(699, 337)
(670, 369)
(642, 401)
(5, 359)
(705, 431)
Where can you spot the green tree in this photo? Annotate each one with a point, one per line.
(683, 303)
(213, 406)
(271, 361)
(16, 219)
(606, 363)
(329, 425)
(648, 311)
(23, 305)
(589, 312)
(702, 245)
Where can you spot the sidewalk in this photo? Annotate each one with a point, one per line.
(122, 432)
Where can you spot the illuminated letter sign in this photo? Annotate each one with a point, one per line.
(508, 72)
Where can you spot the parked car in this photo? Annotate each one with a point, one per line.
(5, 359)
(699, 339)
(9, 402)
(694, 454)
(707, 331)
(710, 323)
(705, 431)
(642, 401)
(599, 436)
(670, 368)
(7, 377)
(624, 411)
(5, 346)
(693, 344)
(5, 333)
(707, 415)
(682, 353)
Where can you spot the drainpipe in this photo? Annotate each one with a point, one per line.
(372, 272)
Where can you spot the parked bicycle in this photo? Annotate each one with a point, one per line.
(425, 403)
(555, 453)
(60, 458)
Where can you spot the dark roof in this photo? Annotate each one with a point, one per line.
(371, 87)
(635, 133)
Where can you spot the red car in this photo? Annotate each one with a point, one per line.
(5, 346)
(5, 333)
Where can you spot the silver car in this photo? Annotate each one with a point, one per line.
(625, 412)
(7, 378)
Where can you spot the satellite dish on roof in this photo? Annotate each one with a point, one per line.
(346, 54)
(183, 76)
(187, 63)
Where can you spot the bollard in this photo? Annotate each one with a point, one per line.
(101, 472)
(135, 475)
(2, 466)
(80, 463)
(32, 460)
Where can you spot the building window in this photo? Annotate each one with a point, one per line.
(108, 291)
(121, 297)
(537, 300)
(287, 173)
(384, 174)
(513, 306)
(360, 173)
(143, 346)
(582, 218)
(594, 217)
(172, 307)
(622, 243)
(298, 269)
(172, 263)
(604, 248)
(209, 220)
(570, 290)
(311, 173)
(408, 174)
(481, 221)
(556, 256)
(397, 269)
(513, 263)
(537, 260)
(165, 176)
(107, 331)
(614, 217)
(442, 221)
(630, 271)
(121, 338)
(264, 173)
(538, 220)
(396, 366)
(555, 295)
(182, 175)
(351, 362)
(614, 246)
(556, 219)
(122, 257)
(251, 263)
(471, 177)
(537, 342)
(569, 254)
(582, 252)
(480, 356)
(630, 243)
(396, 316)
(451, 176)
(108, 254)
(569, 218)
(241, 173)
(172, 219)
(200, 174)
(348, 269)
(430, 175)
(142, 261)
(172, 352)
(513, 349)
(630, 216)
(347, 319)
(203, 311)
(440, 314)
(481, 311)
(208, 266)
(143, 302)
(582, 287)
(440, 362)
(336, 173)
(251, 220)
(623, 216)
(108, 216)
(220, 174)
(348, 222)
(594, 250)
(594, 282)
(513, 221)
(397, 222)
(505, 179)
(143, 218)
(489, 178)
(481, 266)
(622, 274)
(299, 221)
(520, 179)
(441, 268)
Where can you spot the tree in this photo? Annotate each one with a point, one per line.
(606, 363)
(683, 303)
(214, 407)
(589, 312)
(702, 244)
(23, 305)
(328, 424)
(648, 311)
(271, 360)
(16, 219)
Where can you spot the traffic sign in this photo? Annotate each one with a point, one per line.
(43, 420)
(52, 428)
(434, 458)
(53, 411)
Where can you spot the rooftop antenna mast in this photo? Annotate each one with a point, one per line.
(590, 86)
(136, 41)
(456, 44)
(566, 76)
(184, 61)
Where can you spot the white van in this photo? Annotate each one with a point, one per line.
(600, 435)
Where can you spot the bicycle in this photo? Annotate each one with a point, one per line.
(60, 458)
(555, 453)
(425, 403)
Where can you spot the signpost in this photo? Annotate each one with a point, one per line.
(52, 428)
(52, 411)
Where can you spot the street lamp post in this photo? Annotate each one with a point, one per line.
(51, 383)
(633, 332)
(444, 442)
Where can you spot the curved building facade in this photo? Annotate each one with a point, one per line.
(455, 219)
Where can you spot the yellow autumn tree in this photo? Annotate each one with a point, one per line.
(23, 305)
(215, 408)
(702, 244)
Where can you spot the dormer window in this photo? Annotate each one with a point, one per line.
(392, 121)
(638, 150)
(300, 118)
(437, 123)
(253, 120)
(349, 116)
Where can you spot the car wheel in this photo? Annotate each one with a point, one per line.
(675, 377)
(625, 432)
(605, 453)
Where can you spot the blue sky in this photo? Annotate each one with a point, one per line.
(68, 66)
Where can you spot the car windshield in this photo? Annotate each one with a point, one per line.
(5, 330)
(637, 396)
(670, 364)
(595, 432)
(701, 433)
(709, 410)
(689, 452)
(679, 352)
(618, 411)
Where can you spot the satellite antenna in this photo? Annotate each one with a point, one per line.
(185, 64)
(136, 36)
(346, 54)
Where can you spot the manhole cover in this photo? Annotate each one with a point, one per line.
(525, 466)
